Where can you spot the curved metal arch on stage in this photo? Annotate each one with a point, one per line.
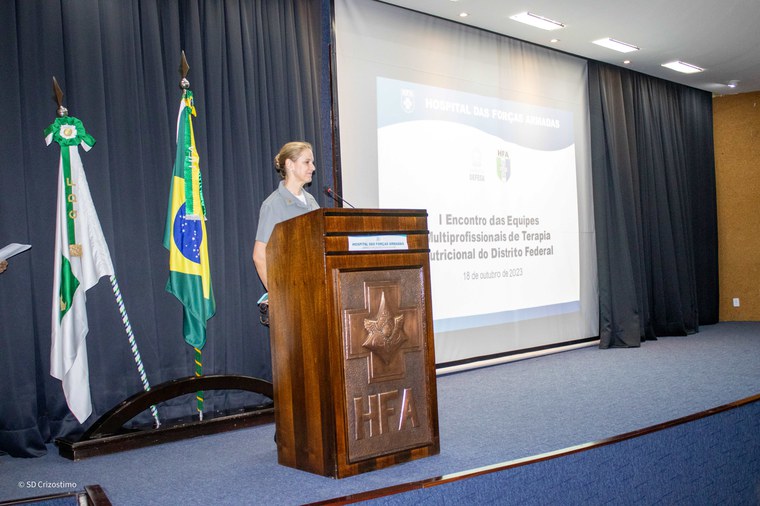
(108, 434)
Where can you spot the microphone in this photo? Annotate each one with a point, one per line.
(336, 197)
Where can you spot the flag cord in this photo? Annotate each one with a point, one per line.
(133, 344)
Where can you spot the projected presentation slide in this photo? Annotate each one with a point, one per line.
(498, 180)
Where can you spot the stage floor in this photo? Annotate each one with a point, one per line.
(487, 416)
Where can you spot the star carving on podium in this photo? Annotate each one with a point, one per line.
(379, 328)
(385, 333)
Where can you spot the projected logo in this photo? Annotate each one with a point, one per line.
(503, 165)
(407, 100)
(476, 167)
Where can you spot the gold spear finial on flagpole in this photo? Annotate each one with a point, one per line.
(183, 69)
(61, 112)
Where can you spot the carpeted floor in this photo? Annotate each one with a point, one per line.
(487, 416)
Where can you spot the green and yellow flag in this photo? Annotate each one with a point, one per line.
(185, 234)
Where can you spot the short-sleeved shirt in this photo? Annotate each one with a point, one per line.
(281, 205)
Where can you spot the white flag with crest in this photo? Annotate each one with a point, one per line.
(81, 259)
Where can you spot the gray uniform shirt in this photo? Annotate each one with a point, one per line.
(281, 205)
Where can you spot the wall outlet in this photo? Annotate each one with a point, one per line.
(736, 302)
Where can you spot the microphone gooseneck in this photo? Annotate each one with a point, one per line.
(337, 198)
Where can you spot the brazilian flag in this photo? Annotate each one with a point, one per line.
(185, 234)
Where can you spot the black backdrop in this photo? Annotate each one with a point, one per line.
(654, 205)
(259, 71)
(255, 70)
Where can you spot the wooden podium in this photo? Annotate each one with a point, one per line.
(353, 360)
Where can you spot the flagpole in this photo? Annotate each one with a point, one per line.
(198, 374)
(184, 85)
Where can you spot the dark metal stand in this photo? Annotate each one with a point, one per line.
(108, 434)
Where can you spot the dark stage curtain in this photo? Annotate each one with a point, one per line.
(654, 206)
(256, 73)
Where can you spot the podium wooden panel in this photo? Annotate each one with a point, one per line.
(353, 358)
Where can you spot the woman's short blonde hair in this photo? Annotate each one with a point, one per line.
(290, 151)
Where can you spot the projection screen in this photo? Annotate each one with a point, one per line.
(490, 135)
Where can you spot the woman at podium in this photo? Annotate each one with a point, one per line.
(295, 165)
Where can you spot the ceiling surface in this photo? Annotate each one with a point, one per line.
(721, 36)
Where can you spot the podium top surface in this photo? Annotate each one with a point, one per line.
(339, 221)
(356, 211)
(331, 230)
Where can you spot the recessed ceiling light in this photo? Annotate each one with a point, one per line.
(732, 83)
(686, 68)
(626, 62)
(617, 45)
(554, 41)
(538, 21)
(463, 14)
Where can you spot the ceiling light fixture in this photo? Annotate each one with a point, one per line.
(686, 68)
(463, 14)
(616, 45)
(538, 21)
(732, 83)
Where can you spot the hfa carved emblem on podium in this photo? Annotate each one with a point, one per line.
(384, 361)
